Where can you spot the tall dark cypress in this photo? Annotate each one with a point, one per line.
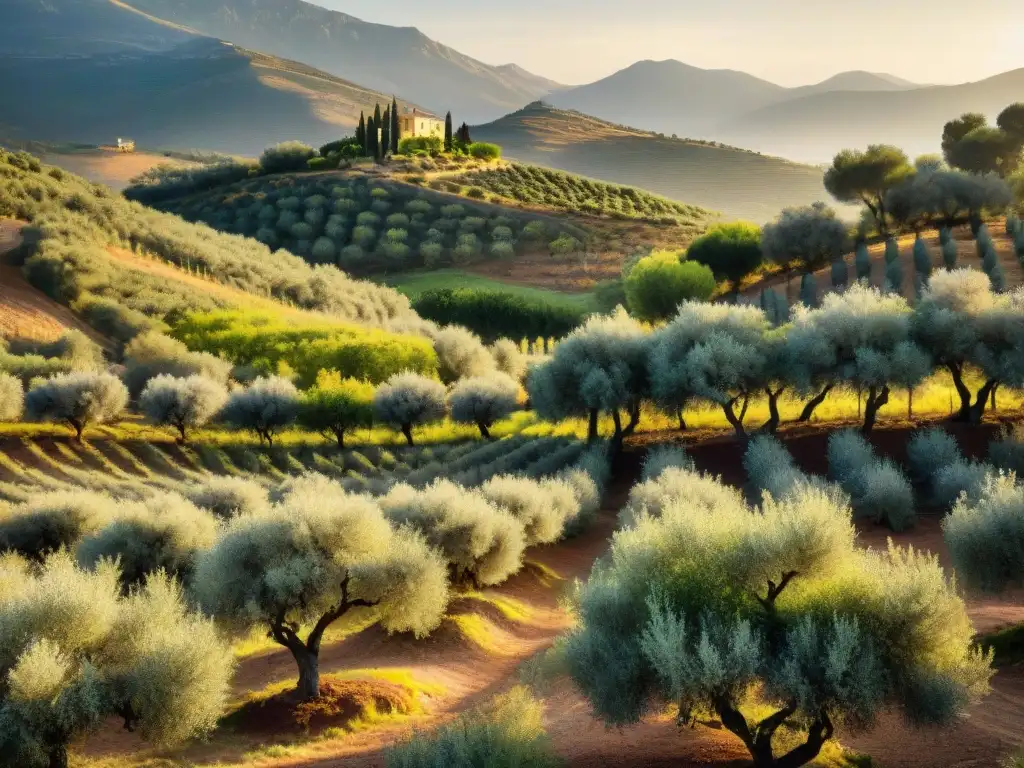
(464, 136)
(448, 132)
(375, 139)
(385, 133)
(396, 127)
(371, 138)
(361, 131)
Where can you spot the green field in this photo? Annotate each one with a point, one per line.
(413, 284)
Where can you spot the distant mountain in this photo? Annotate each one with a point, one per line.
(670, 97)
(399, 60)
(739, 183)
(854, 81)
(815, 127)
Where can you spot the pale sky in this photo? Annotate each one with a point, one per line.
(790, 42)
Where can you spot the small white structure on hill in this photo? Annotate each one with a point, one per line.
(416, 123)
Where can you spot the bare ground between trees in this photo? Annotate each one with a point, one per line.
(473, 665)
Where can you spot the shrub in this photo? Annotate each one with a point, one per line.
(164, 533)
(409, 400)
(663, 457)
(225, 497)
(482, 544)
(531, 503)
(265, 407)
(153, 354)
(52, 521)
(497, 314)
(114, 320)
(77, 399)
(659, 283)
(961, 479)
(877, 487)
(508, 359)
(336, 406)
(928, 451)
(483, 400)
(771, 468)
(732, 251)
(287, 156)
(339, 553)
(683, 607)
(509, 733)
(808, 238)
(460, 354)
(185, 404)
(12, 398)
(1007, 452)
(84, 652)
(411, 144)
(483, 151)
(985, 535)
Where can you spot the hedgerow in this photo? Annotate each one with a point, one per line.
(494, 314)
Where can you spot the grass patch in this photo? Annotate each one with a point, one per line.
(413, 284)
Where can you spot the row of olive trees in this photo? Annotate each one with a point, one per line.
(335, 406)
(759, 619)
(726, 354)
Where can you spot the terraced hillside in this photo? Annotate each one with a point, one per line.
(737, 182)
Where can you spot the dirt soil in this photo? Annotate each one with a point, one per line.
(26, 312)
(471, 667)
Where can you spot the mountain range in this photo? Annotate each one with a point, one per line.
(807, 123)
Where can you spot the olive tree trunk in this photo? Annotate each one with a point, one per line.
(811, 406)
(877, 397)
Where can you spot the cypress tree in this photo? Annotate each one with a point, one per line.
(385, 133)
(448, 132)
(361, 131)
(396, 127)
(463, 135)
(371, 138)
(375, 139)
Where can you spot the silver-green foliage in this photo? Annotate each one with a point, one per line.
(52, 521)
(531, 503)
(78, 399)
(862, 262)
(75, 651)
(12, 398)
(509, 733)
(922, 258)
(986, 535)
(310, 560)
(928, 451)
(153, 354)
(809, 290)
(1007, 452)
(460, 354)
(771, 468)
(408, 400)
(265, 407)
(774, 607)
(225, 497)
(508, 358)
(962, 479)
(673, 486)
(661, 457)
(483, 400)
(878, 488)
(182, 403)
(481, 542)
(164, 532)
(950, 253)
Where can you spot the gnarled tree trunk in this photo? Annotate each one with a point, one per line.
(592, 426)
(877, 397)
(814, 402)
(485, 433)
(774, 419)
(407, 431)
(956, 373)
(977, 411)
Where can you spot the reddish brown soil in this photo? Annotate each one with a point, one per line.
(470, 674)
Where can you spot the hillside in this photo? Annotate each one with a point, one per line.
(398, 60)
(736, 182)
(813, 128)
(807, 123)
(203, 94)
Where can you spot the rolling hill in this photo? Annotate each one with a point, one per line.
(808, 123)
(398, 60)
(739, 183)
(202, 93)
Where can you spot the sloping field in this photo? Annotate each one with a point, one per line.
(487, 635)
(26, 312)
(739, 183)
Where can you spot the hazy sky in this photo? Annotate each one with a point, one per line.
(791, 42)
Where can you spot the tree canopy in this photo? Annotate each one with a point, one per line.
(731, 250)
(659, 283)
(866, 177)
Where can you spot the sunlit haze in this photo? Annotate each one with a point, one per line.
(791, 42)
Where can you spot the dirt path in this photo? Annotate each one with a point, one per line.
(471, 671)
(26, 312)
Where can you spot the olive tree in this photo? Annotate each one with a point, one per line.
(164, 532)
(409, 400)
(508, 358)
(184, 404)
(75, 651)
(265, 407)
(715, 352)
(807, 238)
(963, 324)
(52, 521)
(77, 399)
(225, 497)
(755, 618)
(482, 543)
(460, 354)
(483, 400)
(299, 567)
(12, 398)
(731, 250)
(599, 367)
(861, 338)
(866, 177)
(153, 354)
(336, 406)
(658, 283)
